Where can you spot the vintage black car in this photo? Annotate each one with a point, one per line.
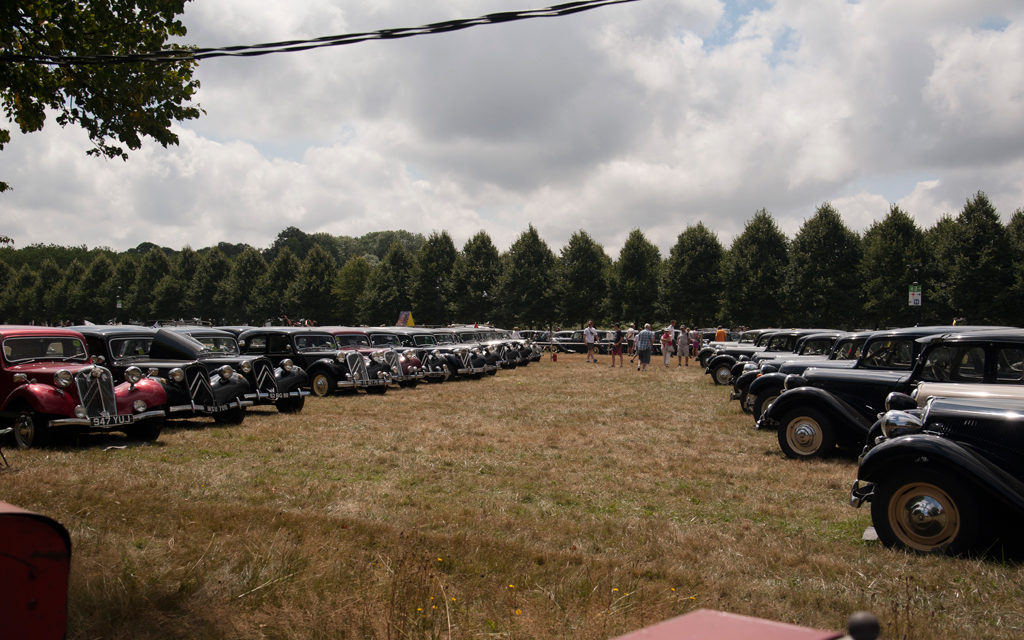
(893, 349)
(947, 478)
(810, 347)
(759, 383)
(829, 407)
(466, 353)
(281, 385)
(776, 343)
(328, 369)
(749, 338)
(192, 389)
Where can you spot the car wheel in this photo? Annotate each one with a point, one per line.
(722, 374)
(805, 433)
(30, 430)
(146, 431)
(925, 511)
(761, 402)
(232, 416)
(290, 405)
(322, 384)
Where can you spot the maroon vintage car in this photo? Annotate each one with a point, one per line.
(49, 386)
(403, 364)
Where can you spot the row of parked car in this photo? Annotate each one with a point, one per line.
(934, 415)
(55, 381)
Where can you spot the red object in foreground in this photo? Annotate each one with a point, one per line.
(705, 624)
(35, 560)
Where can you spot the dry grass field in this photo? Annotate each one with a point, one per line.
(561, 500)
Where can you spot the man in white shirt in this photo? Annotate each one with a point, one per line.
(590, 338)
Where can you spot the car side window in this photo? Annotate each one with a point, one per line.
(952, 363)
(1010, 365)
(278, 344)
(256, 344)
(889, 354)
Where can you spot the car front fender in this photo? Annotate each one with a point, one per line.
(766, 383)
(290, 380)
(149, 391)
(900, 452)
(849, 426)
(42, 398)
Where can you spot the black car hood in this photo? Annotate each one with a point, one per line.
(815, 375)
(174, 346)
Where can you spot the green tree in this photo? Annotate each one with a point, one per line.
(475, 279)
(1015, 236)
(276, 285)
(125, 272)
(431, 279)
(186, 264)
(753, 274)
(526, 286)
(822, 285)
(941, 245)
(93, 295)
(116, 104)
(349, 284)
(312, 288)
(387, 288)
(153, 266)
(238, 297)
(693, 277)
(980, 275)
(637, 273)
(168, 299)
(893, 256)
(204, 286)
(582, 285)
(21, 303)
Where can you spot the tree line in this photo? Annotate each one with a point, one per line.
(969, 266)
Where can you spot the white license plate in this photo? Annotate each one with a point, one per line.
(106, 421)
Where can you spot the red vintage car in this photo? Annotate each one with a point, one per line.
(403, 364)
(50, 386)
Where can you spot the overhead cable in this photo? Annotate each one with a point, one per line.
(289, 46)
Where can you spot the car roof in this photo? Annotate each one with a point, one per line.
(113, 329)
(1000, 335)
(12, 330)
(287, 330)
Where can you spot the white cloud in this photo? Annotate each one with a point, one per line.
(654, 115)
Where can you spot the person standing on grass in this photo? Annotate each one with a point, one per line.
(683, 346)
(590, 338)
(617, 339)
(644, 342)
(666, 344)
(631, 341)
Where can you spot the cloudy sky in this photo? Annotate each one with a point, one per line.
(655, 115)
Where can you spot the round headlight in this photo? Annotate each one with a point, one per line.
(153, 372)
(80, 412)
(900, 423)
(900, 401)
(96, 372)
(63, 378)
(287, 364)
(401, 358)
(226, 372)
(176, 374)
(133, 374)
(793, 381)
(245, 366)
(139, 405)
(340, 357)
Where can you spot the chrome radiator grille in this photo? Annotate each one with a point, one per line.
(394, 364)
(96, 391)
(356, 366)
(263, 372)
(199, 388)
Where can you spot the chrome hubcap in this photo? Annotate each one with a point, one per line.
(923, 516)
(722, 374)
(320, 385)
(804, 436)
(24, 429)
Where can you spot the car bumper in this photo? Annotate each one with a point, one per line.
(108, 423)
(861, 492)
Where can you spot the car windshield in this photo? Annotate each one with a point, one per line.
(351, 340)
(444, 338)
(129, 347)
(468, 336)
(315, 342)
(780, 343)
(385, 340)
(63, 348)
(424, 339)
(816, 347)
(889, 353)
(848, 349)
(217, 344)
